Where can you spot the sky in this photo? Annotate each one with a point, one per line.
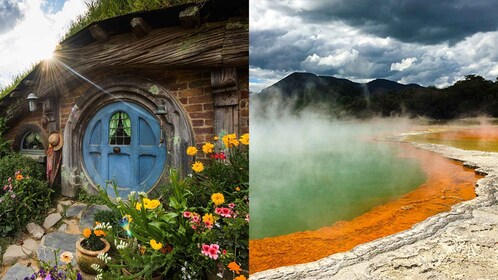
(30, 31)
(409, 41)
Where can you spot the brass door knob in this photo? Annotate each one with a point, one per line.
(116, 150)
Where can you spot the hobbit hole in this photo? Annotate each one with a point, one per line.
(104, 85)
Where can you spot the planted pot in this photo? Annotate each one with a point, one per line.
(85, 258)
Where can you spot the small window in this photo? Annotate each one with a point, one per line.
(120, 129)
(32, 142)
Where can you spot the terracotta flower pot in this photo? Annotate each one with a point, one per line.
(85, 258)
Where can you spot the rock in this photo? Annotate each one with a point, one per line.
(75, 210)
(52, 210)
(57, 241)
(87, 220)
(16, 252)
(66, 202)
(61, 240)
(35, 230)
(60, 208)
(18, 271)
(63, 227)
(51, 220)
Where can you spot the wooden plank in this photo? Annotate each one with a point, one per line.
(139, 27)
(99, 34)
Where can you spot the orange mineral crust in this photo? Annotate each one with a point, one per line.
(448, 183)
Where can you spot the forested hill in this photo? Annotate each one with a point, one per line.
(472, 96)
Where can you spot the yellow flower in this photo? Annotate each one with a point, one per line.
(207, 148)
(198, 166)
(152, 204)
(230, 140)
(66, 257)
(192, 151)
(138, 206)
(87, 232)
(240, 277)
(155, 245)
(142, 250)
(217, 198)
(128, 217)
(216, 138)
(237, 189)
(208, 218)
(19, 177)
(244, 139)
(99, 232)
(233, 266)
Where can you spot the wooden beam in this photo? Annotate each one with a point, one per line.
(99, 34)
(139, 27)
(190, 17)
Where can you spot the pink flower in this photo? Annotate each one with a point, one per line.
(193, 226)
(224, 252)
(196, 219)
(247, 217)
(187, 214)
(211, 251)
(5, 187)
(218, 210)
(13, 195)
(18, 172)
(231, 205)
(226, 212)
(9, 180)
(208, 224)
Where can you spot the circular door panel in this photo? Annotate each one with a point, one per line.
(122, 144)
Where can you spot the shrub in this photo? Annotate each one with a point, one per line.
(14, 162)
(5, 147)
(22, 198)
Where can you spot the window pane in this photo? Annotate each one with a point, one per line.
(32, 141)
(120, 129)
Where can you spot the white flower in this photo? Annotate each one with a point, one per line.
(132, 194)
(104, 225)
(118, 199)
(104, 257)
(66, 257)
(96, 267)
(121, 245)
(142, 194)
(98, 277)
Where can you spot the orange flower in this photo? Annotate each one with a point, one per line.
(87, 232)
(240, 277)
(99, 233)
(19, 177)
(233, 266)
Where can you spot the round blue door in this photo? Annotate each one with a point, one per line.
(122, 144)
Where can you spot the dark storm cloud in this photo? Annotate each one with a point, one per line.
(271, 49)
(9, 14)
(426, 22)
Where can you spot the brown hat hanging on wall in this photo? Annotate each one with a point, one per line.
(56, 140)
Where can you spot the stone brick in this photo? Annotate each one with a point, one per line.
(208, 107)
(193, 108)
(202, 130)
(183, 100)
(200, 99)
(197, 122)
(199, 83)
(203, 115)
(191, 92)
(177, 86)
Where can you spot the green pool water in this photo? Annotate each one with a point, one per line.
(310, 173)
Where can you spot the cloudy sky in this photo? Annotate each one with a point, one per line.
(30, 30)
(409, 41)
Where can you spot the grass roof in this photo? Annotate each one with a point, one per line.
(100, 10)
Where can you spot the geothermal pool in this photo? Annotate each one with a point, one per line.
(320, 187)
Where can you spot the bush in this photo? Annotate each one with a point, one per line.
(17, 162)
(22, 198)
(5, 147)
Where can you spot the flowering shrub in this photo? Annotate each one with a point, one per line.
(22, 197)
(199, 224)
